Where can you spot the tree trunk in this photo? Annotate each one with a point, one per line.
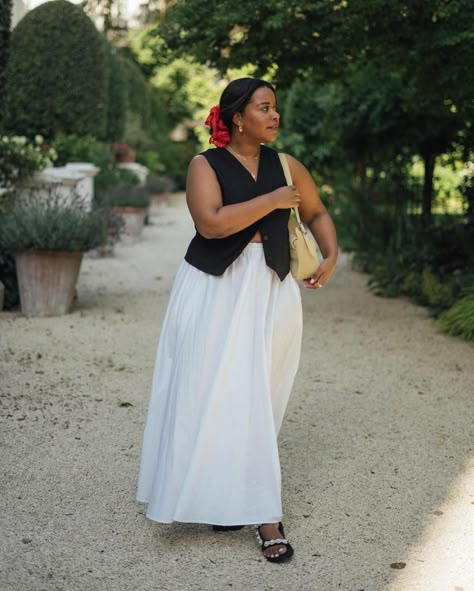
(429, 159)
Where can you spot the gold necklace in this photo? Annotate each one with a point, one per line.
(242, 156)
(247, 159)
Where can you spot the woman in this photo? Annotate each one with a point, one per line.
(230, 341)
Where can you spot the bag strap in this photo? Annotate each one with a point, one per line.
(289, 181)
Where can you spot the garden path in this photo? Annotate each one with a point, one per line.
(376, 450)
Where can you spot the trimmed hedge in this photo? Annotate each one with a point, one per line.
(5, 23)
(117, 98)
(138, 91)
(58, 74)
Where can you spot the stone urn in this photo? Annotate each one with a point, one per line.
(47, 280)
(134, 219)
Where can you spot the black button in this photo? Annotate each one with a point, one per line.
(269, 258)
(265, 237)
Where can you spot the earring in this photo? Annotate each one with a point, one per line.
(241, 129)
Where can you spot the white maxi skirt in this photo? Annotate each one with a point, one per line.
(227, 356)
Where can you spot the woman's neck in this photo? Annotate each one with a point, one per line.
(244, 148)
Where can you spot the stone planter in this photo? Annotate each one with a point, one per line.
(47, 280)
(86, 185)
(134, 218)
(160, 199)
(68, 183)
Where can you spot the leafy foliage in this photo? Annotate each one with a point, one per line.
(20, 158)
(459, 320)
(389, 99)
(76, 148)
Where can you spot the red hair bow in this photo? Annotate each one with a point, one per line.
(220, 135)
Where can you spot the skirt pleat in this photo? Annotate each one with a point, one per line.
(227, 357)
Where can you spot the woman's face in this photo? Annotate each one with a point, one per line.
(260, 118)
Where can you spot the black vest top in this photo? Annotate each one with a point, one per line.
(214, 255)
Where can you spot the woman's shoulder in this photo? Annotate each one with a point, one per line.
(212, 153)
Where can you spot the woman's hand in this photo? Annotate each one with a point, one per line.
(286, 197)
(322, 275)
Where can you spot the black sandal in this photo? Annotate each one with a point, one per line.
(276, 542)
(226, 527)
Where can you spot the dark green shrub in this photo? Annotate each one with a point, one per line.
(112, 177)
(57, 75)
(175, 157)
(5, 26)
(127, 196)
(76, 148)
(50, 223)
(459, 320)
(9, 280)
(438, 295)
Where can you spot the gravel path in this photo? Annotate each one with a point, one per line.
(377, 447)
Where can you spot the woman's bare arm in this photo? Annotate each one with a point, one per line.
(215, 220)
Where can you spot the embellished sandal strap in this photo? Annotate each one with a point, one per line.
(275, 542)
(268, 543)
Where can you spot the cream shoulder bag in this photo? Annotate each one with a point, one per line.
(303, 258)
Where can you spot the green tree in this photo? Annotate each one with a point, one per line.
(424, 50)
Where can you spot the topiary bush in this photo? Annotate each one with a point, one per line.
(58, 74)
(117, 98)
(138, 98)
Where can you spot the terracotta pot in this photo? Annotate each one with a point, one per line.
(134, 218)
(47, 280)
(125, 157)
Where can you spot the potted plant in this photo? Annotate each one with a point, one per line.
(159, 188)
(48, 238)
(132, 203)
(124, 153)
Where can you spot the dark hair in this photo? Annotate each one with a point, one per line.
(236, 96)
